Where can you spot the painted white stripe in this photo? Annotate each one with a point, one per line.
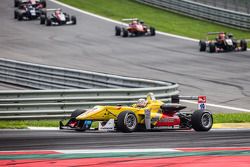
(42, 128)
(218, 106)
(116, 151)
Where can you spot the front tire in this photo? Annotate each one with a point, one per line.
(73, 19)
(126, 122)
(243, 45)
(202, 120)
(203, 46)
(42, 19)
(124, 32)
(152, 31)
(117, 31)
(48, 21)
(212, 47)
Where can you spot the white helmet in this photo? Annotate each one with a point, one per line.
(141, 103)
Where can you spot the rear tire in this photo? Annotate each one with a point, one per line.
(202, 120)
(243, 45)
(152, 31)
(73, 19)
(203, 46)
(126, 121)
(117, 31)
(48, 21)
(212, 47)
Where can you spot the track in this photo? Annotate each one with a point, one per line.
(52, 140)
(91, 45)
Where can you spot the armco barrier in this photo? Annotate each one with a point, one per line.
(59, 103)
(198, 10)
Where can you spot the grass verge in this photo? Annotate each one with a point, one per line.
(163, 20)
(21, 124)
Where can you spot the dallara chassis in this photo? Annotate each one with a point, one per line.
(147, 114)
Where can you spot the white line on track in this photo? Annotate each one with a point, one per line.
(116, 151)
(158, 32)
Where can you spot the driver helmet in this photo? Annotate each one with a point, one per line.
(141, 103)
(222, 35)
(134, 22)
(58, 11)
(230, 35)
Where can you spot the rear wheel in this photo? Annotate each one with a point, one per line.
(212, 47)
(126, 121)
(203, 46)
(201, 120)
(117, 31)
(152, 31)
(243, 45)
(73, 19)
(48, 21)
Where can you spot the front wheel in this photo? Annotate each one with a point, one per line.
(202, 120)
(42, 19)
(48, 21)
(124, 32)
(212, 47)
(117, 31)
(243, 45)
(152, 31)
(203, 46)
(73, 19)
(126, 121)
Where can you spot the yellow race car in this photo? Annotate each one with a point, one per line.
(146, 114)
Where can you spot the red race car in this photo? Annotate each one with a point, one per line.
(136, 27)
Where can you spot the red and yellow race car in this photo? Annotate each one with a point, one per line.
(136, 27)
(146, 114)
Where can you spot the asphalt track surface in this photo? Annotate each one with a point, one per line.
(91, 45)
(55, 140)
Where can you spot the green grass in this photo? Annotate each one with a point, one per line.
(162, 20)
(218, 118)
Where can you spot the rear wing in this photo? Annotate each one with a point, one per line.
(131, 19)
(201, 100)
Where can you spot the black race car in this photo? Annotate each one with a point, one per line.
(27, 11)
(224, 42)
(57, 17)
(33, 2)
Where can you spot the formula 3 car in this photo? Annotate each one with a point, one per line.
(33, 2)
(152, 114)
(27, 11)
(57, 17)
(136, 27)
(222, 43)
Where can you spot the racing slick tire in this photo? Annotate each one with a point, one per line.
(243, 45)
(16, 3)
(48, 21)
(152, 31)
(203, 46)
(19, 17)
(42, 19)
(126, 121)
(124, 32)
(73, 116)
(15, 14)
(201, 120)
(212, 47)
(73, 19)
(117, 31)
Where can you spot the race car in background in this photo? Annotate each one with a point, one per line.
(146, 114)
(224, 42)
(33, 2)
(57, 17)
(27, 11)
(136, 27)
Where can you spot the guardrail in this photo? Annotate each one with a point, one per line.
(198, 10)
(59, 103)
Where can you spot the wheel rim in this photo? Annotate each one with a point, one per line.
(130, 121)
(206, 120)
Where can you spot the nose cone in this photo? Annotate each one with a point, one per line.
(95, 113)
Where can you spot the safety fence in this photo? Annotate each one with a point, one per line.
(96, 89)
(198, 10)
